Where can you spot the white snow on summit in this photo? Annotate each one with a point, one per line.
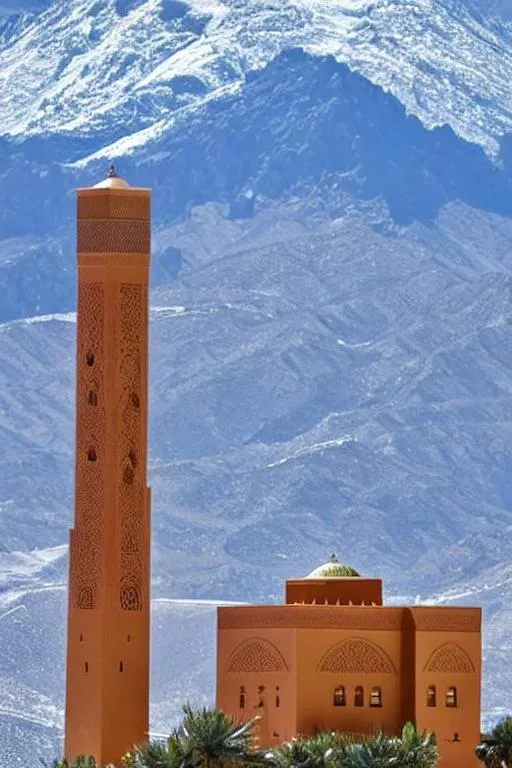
(82, 67)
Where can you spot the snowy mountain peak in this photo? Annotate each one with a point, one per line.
(113, 67)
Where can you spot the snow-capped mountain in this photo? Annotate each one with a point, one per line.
(330, 350)
(118, 66)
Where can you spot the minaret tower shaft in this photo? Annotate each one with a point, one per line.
(107, 696)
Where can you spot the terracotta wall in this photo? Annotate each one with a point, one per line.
(381, 650)
(239, 654)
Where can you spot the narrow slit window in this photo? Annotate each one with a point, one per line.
(128, 638)
(86, 667)
(278, 698)
(121, 666)
(359, 696)
(431, 696)
(451, 697)
(92, 398)
(242, 697)
(340, 697)
(91, 454)
(90, 359)
(81, 638)
(376, 697)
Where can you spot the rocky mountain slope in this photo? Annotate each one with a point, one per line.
(330, 362)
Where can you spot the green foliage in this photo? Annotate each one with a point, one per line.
(495, 750)
(207, 738)
(79, 762)
(377, 752)
(418, 749)
(413, 750)
(324, 751)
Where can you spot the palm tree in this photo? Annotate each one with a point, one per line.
(495, 750)
(380, 751)
(418, 749)
(155, 754)
(211, 739)
(324, 751)
(207, 738)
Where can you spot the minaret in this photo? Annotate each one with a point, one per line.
(107, 696)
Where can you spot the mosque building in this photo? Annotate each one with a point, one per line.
(333, 657)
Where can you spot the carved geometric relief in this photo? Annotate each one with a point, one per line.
(131, 598)
(450, 658)
(131, 480)
(256, 655)
(122, 206)
(106, 235)
(355, 655)
(88, 534)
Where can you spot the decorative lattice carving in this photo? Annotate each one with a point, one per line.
(256, 655)
(131, 599)
(86, 541)
(460, 619)
(131, 481)
(113, 259)
(314, 616)
(111, 235)
(451, 658)
(355, 655)
(108, 205)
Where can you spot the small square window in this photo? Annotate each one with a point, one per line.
(376, 697)
(451, 697)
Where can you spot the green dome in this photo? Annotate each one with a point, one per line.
(332, 570)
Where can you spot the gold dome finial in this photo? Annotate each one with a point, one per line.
(113, 181)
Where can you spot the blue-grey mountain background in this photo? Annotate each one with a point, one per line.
(331, 351)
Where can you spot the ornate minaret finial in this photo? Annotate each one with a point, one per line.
(112, 172)
(334, 559)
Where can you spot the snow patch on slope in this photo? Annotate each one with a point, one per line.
(82, 68)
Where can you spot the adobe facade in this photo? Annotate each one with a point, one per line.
(333, 658)
(107, 690)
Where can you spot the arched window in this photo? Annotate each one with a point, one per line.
(451, 697)
(242, 697)
(91, 454)
(92, 398)
(128, 475)
(90, 359)
(340, 698)
(431, 696)
(376, 697)
(359, 696)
